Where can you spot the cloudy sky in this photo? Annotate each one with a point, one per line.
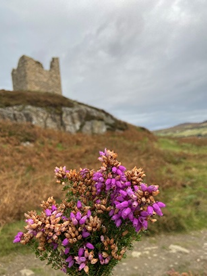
(144, 61)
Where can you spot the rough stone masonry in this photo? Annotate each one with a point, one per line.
(31, 76)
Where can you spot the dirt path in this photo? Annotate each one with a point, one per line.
(151, 256)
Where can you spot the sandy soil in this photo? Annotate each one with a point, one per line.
(152, 256)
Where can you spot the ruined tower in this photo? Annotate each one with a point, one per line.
(31, 76)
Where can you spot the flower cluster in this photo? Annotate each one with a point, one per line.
(103, 212)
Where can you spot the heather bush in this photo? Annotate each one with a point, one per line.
(103, 212)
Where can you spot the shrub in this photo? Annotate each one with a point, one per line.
(91, 229)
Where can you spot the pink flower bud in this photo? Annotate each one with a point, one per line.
(85, 234)
(74, 220)
(80, 251)
(81, 266)
(79, 205)
(78, 216)
(122, 168)
(88, 213)
(89, 245)
(82, 220)
(71, 263)
(65, 242)
(114, 169)
(48, 212)
(150, 210)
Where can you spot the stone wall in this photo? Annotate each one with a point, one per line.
(31, 76)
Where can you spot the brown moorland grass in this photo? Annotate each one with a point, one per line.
(28, 156)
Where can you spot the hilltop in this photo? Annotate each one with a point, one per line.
(185, 130)
(53, 111)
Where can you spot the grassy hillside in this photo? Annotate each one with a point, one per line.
(185, 130)
(29, 155)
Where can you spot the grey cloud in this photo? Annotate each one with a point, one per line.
(143, 61)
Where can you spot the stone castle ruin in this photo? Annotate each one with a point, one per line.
(31, 76)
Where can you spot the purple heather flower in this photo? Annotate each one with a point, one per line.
(65, 242)
(126, 212)
(120, 198)
(161, 204)
(122, 168)
(48, 212)
(17, 238)
(82, 265)
(118, 184)
(82, 259)
(71, 263)
(134, 204)
(88, 213)
(83, 172)
(129, 191)
(67, 250)
(102, 238)
(72, 215)
(64, 218)
(111, 212)
(80, 251)
(143, 187)
(136, 188)
(119, 172)
(131, 216)
(150, 210)
(138, 227)
(83, 220)
(113, 181)
(64, 269)
(144, 214)
(101, 179)
(152, 188)
(106, 261)
(114, 169)
(79, 205)
(118, 222)
(58, 215)
(135, 222)
(157, 209)
(55, 245)
(127, 184)
(123, 193)
(85, 234)
(78, 216)
(125, 204)
(145, 224)
(143, 221)
(115, 217)
(29, 221)
(108, 181)
(69, 259)
(89, 245)
(54, 208)
(100, 256)
(74, 220)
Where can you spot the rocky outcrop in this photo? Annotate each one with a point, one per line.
(73, 118)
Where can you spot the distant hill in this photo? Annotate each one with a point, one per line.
(185, 130)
